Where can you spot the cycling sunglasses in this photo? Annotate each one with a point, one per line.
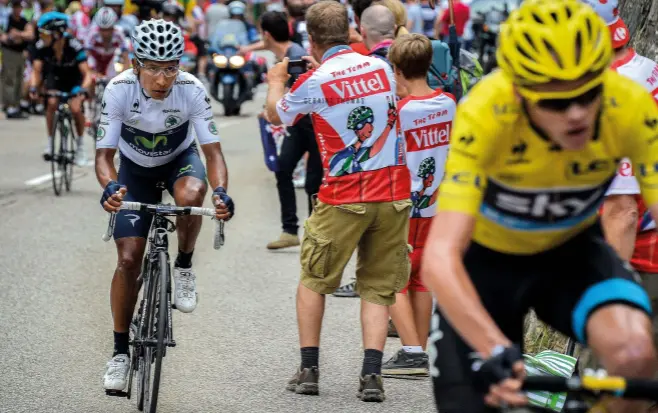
(46, 32)
(363, 123)
(561, 105)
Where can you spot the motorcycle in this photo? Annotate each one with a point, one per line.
(485, 28)
(230, 78)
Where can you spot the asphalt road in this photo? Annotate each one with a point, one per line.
(233, 354)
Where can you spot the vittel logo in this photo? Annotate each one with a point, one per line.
(355, 87)
(428, 136)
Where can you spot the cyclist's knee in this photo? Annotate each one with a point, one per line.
(76, 106)
(52, 103)
(129, 264)
(191, 193)
(629, 351)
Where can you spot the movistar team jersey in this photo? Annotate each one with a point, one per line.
(527, 194)
(153, 132)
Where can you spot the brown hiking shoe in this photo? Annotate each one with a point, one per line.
(371, 388)
(285, 241)
(305, 381)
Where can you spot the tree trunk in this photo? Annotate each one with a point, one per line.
(641, 17)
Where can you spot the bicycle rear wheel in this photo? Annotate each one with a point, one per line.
(158, 331)
(69, 148)
(56, 150)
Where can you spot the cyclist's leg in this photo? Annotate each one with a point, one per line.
(51, 85)
(130, 232)
(76, 110)
(501, 282)
(597, 299)
(187, 184)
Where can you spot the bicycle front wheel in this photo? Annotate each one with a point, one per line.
(69, 145)
(159, 332)
(56, 149)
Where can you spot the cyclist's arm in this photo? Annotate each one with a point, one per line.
(642, 147)
(208, 135)
(35, 77)
(109, 131)
(459, 200)
(620, 211)
(81, 59)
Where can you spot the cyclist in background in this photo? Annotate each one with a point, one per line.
(127, 21)
(79, 23)
(61, 62)
(104, 43)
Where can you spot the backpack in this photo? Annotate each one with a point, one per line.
(442, 74)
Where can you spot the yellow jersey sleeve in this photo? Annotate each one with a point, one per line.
(472, 147)
(642, 139)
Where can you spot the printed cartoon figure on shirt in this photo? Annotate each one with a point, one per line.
(422, 199)
(361, 121)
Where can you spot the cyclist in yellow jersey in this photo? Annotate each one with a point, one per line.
(533, 149)
(187, 5)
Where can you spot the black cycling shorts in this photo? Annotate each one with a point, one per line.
(564, 286)
(142, 184)
(62, 83)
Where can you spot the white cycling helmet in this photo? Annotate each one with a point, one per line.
(105, 18)
(114, 2)
(158, 40)
(236, 8)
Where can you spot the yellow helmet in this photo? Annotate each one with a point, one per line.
(545, 40)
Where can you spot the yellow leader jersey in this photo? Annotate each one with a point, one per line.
(188, 6)
(527, 194)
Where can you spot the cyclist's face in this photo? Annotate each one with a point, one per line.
(157, 78)
(106, 34)
(365, 131)
(571, 123)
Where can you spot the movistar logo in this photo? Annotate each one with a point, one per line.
(185, 169)
(151, 144)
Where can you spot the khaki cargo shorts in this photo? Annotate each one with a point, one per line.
(378, 230)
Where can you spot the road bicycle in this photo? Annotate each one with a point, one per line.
(96, 107)
(586, 390)
(64, 143)
(151, 330)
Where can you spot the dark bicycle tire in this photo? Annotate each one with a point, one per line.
(55, 153)
(161, 285)
(70, 144)
(142, 370)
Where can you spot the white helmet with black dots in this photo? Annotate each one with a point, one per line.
(158, 40)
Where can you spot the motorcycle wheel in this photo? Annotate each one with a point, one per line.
(228, 100)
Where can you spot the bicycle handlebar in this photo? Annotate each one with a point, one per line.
(168, 210)
(645, 389)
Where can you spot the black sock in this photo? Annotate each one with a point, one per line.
(310, 357)
(120, 343)
(184, 259)
(372, 362)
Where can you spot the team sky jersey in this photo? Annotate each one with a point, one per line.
(100, 54)
(645, 72)
(425, 123)
(153, 132)
(68, 67)
(526, 193)
(351, 99)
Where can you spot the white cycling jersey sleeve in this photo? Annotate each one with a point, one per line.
(202, 118)
(109, 127)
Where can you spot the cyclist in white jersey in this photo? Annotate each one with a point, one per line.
(149, 113)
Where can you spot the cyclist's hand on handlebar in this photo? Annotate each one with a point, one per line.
(501, 377)
(113, 196)
(224, 206)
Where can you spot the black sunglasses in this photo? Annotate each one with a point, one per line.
(561, 105)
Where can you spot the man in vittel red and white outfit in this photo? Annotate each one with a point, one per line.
(627, 223)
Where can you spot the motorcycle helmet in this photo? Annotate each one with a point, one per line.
(53, 21)
(158, 40)
(105, 18)
(236, 8)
